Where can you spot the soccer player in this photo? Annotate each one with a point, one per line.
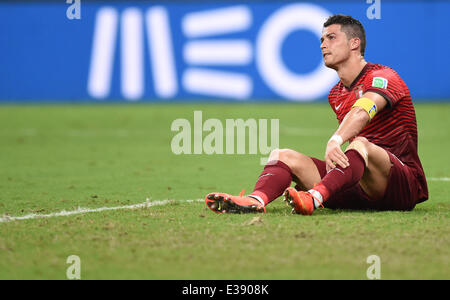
(380, 169)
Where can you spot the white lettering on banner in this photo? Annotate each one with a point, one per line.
(217, 21)
(102, 57)
(215, 51)
(269, 60)
(218, 52)
(161, 52)
(132, 58)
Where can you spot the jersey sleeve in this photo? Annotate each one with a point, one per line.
(388, 84)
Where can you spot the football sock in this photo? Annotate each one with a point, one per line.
(339, 178)
(259, 198)
(317, 196)
(273, 181)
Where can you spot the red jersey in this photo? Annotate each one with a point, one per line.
(394, 128)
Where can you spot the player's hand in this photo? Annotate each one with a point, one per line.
(334, 155)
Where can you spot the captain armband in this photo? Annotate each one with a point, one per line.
(368, 105)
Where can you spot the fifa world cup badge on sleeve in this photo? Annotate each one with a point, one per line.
(380, 82)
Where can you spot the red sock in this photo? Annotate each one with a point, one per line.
(274, 179)
(339, 178)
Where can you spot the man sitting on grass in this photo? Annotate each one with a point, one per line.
(380, 169)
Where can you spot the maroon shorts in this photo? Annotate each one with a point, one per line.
(401, 192)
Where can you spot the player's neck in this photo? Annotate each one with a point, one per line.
(350, 69)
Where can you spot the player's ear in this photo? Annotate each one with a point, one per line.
(355, 43)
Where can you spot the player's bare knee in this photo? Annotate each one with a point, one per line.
(274, 154)
(283, 155)
(286, 156)
(361, 145)
(362, 140)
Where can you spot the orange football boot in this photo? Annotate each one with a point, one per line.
(301, 202)
(226, 203)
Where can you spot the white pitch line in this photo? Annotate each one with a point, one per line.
(146, 204)
(80, 210)
(438, 179)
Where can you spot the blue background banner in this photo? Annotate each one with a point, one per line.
(165, 51)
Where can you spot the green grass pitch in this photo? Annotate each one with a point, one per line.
(62, 157)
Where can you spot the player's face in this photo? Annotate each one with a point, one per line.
(334, 45)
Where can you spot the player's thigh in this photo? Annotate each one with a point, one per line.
(304, 170)
(375, 177)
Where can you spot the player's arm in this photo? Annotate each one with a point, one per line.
(355, 120)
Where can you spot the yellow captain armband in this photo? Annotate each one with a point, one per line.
(368, 105)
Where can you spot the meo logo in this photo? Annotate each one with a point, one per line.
(204, 47)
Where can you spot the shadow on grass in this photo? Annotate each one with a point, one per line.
(279, 209)
(328, 211)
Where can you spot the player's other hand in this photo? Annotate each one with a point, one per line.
(334, 155)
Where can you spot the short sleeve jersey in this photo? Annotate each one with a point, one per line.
(394, 128)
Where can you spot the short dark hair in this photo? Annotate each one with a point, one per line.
(352, 28)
